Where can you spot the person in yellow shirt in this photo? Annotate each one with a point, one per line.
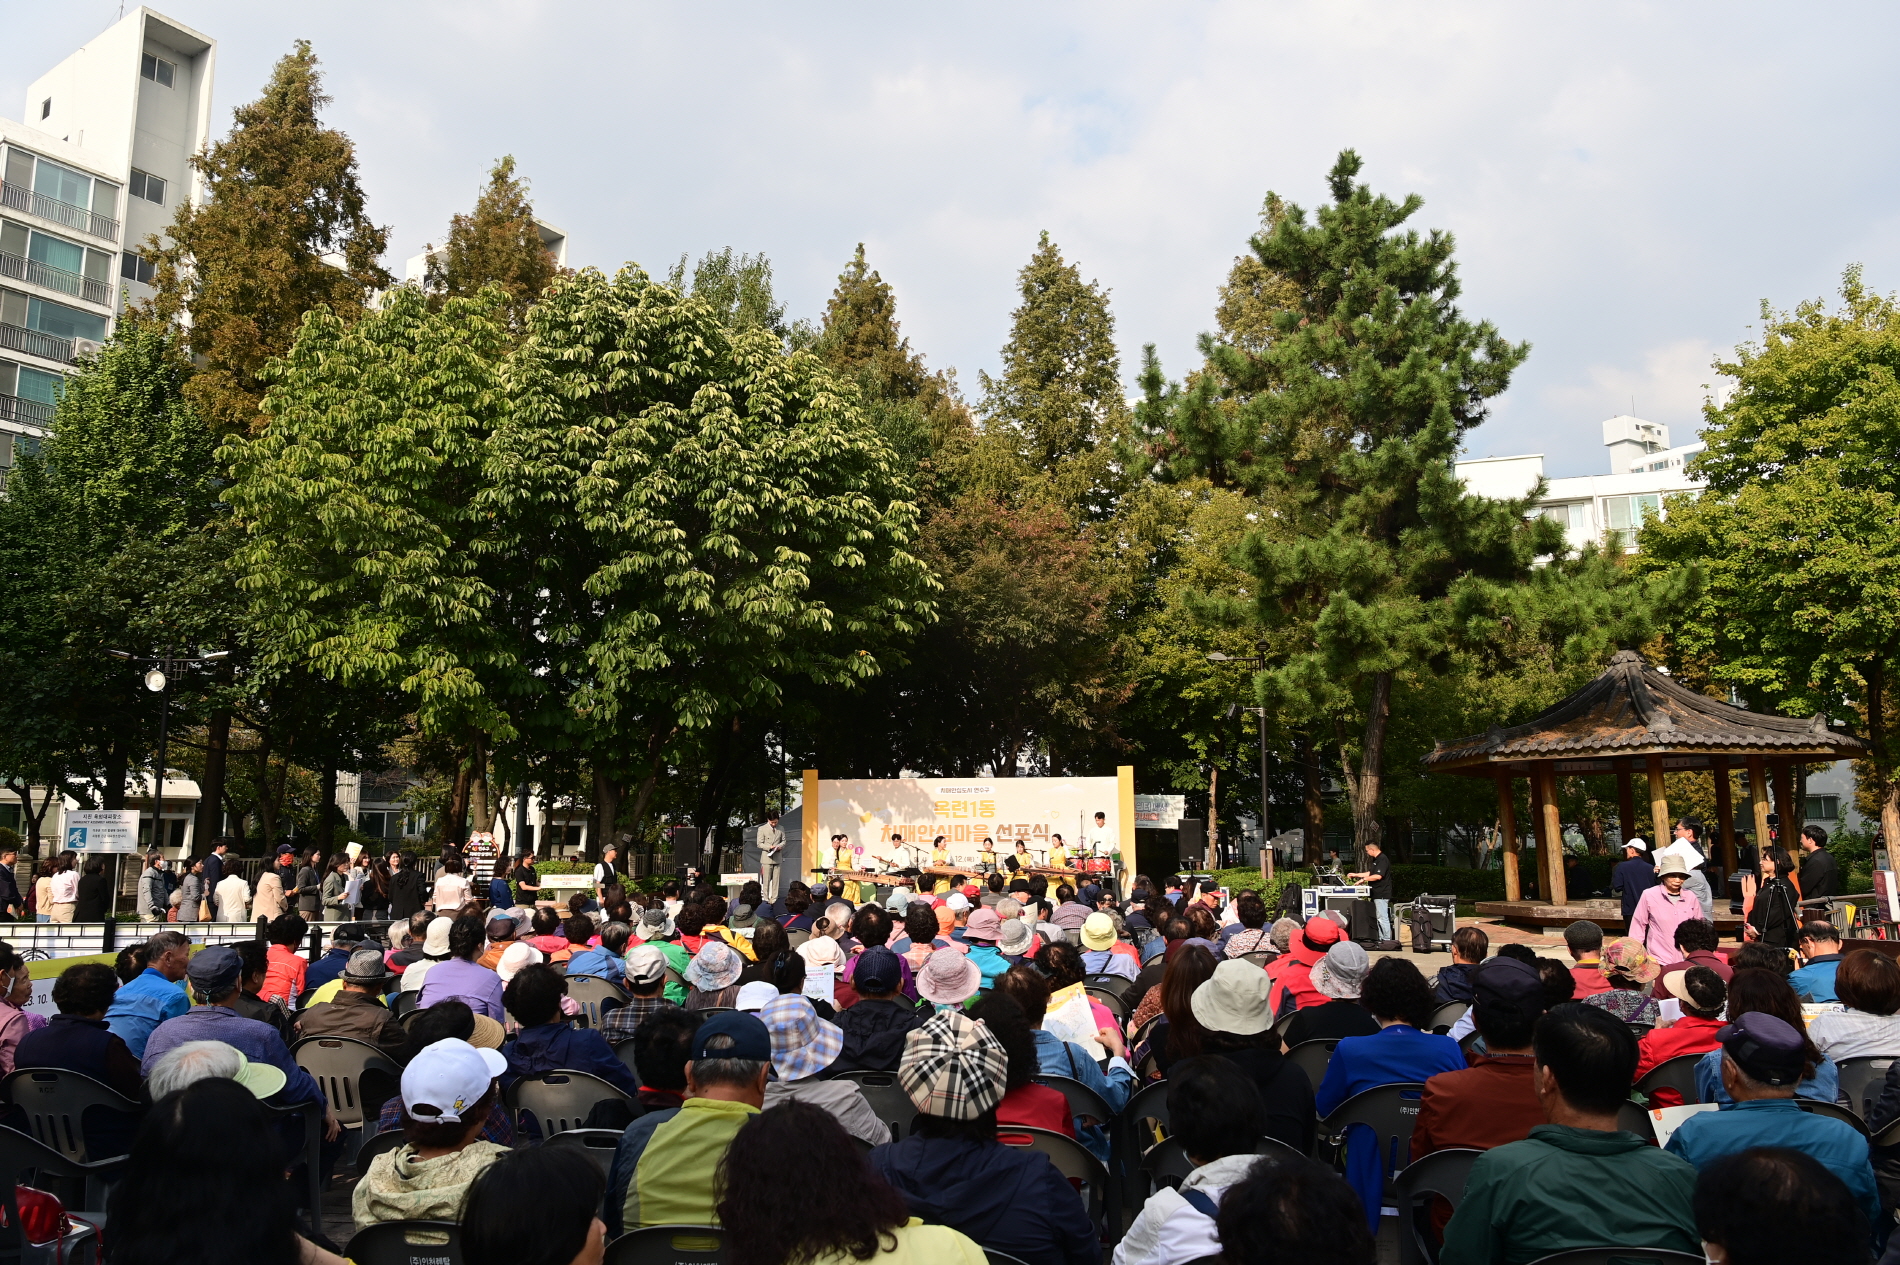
(986, 855)
(1058, 854)
(939, 854)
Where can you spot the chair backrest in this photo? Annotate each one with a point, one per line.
(1641, 1030)
(1120, 985)
(668, 1245)
(1083, 1101)
(1116, 1006)
(1633, 1119)
(374, 1145)
(1834, 1111)
(406, 1003)
(1861, 1080)
(623, 1050)
(1620, 1256)
(1442, 1173)
(589, 991)
(887, 1099)
(1165, 1164)
(1001, 1258)
(1284, 1022)
(19, 1152)
(1389, 1111)
(1260, 957)
(1446, 1015)
(796, 938)
(339, 1065)
(1150, 1102)
(596, 1144)
(55, 1102)
(406, 1243)
(1071, 1159)
(560, 1100)
(1677, 1074)
(1312, 1057)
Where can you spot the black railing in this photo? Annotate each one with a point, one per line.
(43, 274)
(21, 198)
(34, 343)
(32, 412)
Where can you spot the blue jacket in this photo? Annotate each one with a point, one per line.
(1630, 879)
(141, 1004)
(551, 1047)
(1394, 1055)
(599, 963)
(992, 963)
(1815, 981)
(1010, 1200)
(499, 896)
(1702, 1139)
(1823, 1086)
(326, 968)
(1056, 1057)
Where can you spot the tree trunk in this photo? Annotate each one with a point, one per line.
(607, 796)
(266, 806)
(481, 811)
(326, 811)
(112, 790)
(1313, 807)
(455, 815)
(210, 825)
(1366, 787)
(1877, 739)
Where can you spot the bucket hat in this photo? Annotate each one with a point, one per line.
(984, 925)
(717, 965)
(803, 1045)
(948, 979)
(953, 1067)
(435, 943)
(1234, 999)
(755, 995)
(1342, 971)
(513, 958)
(1015, 937)
(1098, 932)
(1628, 958)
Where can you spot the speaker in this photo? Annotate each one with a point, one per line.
(685, 840)
(1193, 835)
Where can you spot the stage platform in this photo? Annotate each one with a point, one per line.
(1607, 914)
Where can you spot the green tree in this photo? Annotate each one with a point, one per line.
(495, 244)
(739, 288)
(1797, 535)
(283, 230)
(1345, 423)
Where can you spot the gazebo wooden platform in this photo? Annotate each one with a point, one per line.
(1630, 719)
(1538, 915)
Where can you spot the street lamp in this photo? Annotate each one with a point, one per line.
(1256, 662)
(158, 679)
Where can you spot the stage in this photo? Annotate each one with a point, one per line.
(1608, 914)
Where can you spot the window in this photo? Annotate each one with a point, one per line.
(62, 184)
(133, 268)
(64, 322)
(1626, 513)
(9, 375)
(158, 70)
(149, 187)
(1824, 807)
(46, 107)
(57, 253)
(1571, 516)
(40, 386)
(6, 461)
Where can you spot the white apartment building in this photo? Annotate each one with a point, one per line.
(99, 163)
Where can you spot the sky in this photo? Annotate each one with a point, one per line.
(1627, 183)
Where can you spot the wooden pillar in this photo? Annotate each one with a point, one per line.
(1658, 805)
(1725, 814)
(1783, 782)
(1625, 803)
(1758, 799)
(1507, 826)
(1553, 849)
(1539, 824)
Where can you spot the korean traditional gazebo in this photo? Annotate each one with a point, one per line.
(1634, 719)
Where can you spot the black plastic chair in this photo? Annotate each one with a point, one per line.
(1834, 1111)
(1861, 1081)
(374, 1145)
(312, 1116)
(559, 1100)
(388, 1243)
(340, 1065)
(1260, 957)
(1442, 1174)
(1620, 1256)
(1633, 1119)
(623, 1050)
(1112, 1001)
(1002, 1258)
(668, 1245)
(1390, 1111)
(1073, 1161)
(596, 1144)
(80, 1186)
(1677, 1074)
(887, 1098)
(1086, 1105)
(1165, 1164)
(1120, 985)
(1312, 1058)
(1446, 1015)
(55, 1102)
(406, 1003)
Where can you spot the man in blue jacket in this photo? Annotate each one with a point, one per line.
(1633, 876)
(1820, 946)
(546, 1043)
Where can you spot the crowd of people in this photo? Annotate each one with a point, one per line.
(722, 1045)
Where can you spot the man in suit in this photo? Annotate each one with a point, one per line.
(1820, 876)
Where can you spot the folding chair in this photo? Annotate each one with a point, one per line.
(887, 1098)
(1861, 1081)
(668, 1245)
(340, 1066)
(1442, 1174)
(1073, 1161)
(596, 1144)
(406, 1243)
(1446, 1015)
(589, 991)
(1259, 957)
(1312, 1058)
(1389, 1111)
(559, 1100)
(56, 1101)
(1677, 1074)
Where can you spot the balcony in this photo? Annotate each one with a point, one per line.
(21, 198)
(34, 343)
(32, 412)
(52, 278)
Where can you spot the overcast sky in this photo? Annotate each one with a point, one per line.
(1627, 182)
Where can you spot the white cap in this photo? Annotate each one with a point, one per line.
(1638, 844)
(754, 995)
(514, 957)
(957, 901)
(445, 1078)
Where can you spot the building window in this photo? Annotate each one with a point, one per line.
(158, 70)
(149, 187)
(1570, 516)
(134, 268)
(46, 107)
(40, 386)
(64, 322)
(62, 184)
(1625, 513)
(1824, 807)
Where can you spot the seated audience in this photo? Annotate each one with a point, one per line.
(194, 1061)
(154, 994)
(331, 964)
(1703, 995)
(407, 950)
(77, 1038)
(536, 1206)
(1468, 947)
(1762, 1061)
(1398, 997)
(1578, 1181)
(661, 1049)
(447, 1091)
(1585, 941)
(1026, 1102)
(1337, 1011)
(644, 970)
(1017, 940)
(249, 1002)
(1795, 1210)
(546, 1042)
(1231, 1010)
(1056, 1057)
(1217, 1118)
(435, 950)
(873, 1028)
(948, 979)
(1759, 955)
(1103, 952)
(1868, 986)
(214, 1149)
(712, 979)
(1630, 971)
(1061, 964)
(770, 947)
(672, 1178)
(1696, 941)
(358, 1011)
(443, 1021)
(1249, 932)
(1178, 1033)
(1752, 989)
(952, 1170)
(871, 927)
(547, 938)
(460, 978)
(603, 961)
(501, 928)
(283, 981)
(1289, 1210)
(1494, 1101)
(831, 1208)
(1820, 946)
(803, 1046)
(979, 940)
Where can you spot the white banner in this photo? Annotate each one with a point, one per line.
(1159, 812)
(102, 830)
(878, 818)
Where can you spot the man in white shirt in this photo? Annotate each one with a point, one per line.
(1099, 843)
(604, 871)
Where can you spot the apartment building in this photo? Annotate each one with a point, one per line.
(98, 163)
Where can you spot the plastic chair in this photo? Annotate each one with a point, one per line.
(1834, 1111)
(1442, 1173)
(374, 1145)
(1284, 1022)
(1073, 1161)
(1259, 957)
(312, 1115)
(887, 1098)
(1620, 1256)
(1389, 1111)
(1312, 1057)
(623, 1051)
(1633, 1119)
(339, 1066)
(406, 1003)
(589, 991)
(55, 1102)
(1677, 1074)
(1120, 985)
(1002, 1258)
(1165, 1164)
(596, 1144)
(560, 1100)
(1861, 1081)
(1083, 1101)
(668, 1245)
(796, 938)
(1113, 1001)
(388, 1243)
(1447, 1015)
(1640, 1030)
(85, 1183)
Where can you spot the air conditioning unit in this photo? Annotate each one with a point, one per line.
(85, 347)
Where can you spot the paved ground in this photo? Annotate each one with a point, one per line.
(1547, 946)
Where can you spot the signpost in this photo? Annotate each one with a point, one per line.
(102, 830)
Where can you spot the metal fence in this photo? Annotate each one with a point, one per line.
(40, 940)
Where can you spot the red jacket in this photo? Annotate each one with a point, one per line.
(283, 974)
(1687, 1035)
(1590, 981)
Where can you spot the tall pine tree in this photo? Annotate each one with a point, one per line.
(497, 243)
(284, 231)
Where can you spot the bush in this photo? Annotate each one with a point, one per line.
(1467, 885)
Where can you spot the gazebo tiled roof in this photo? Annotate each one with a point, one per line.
(1633, 710)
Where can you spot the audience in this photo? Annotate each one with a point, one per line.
(447, 1092)
(644, 970)
(1585, 941)
(979, 941)
(358, 1011)
(441, 1022)
(603, 961)
(154, 994)
(953, 1171)
(672, 1174)
(1293, 982)
(1026, 1102)
(460, 978)
(501, 927)
(874, 1027)
(1178, 1034)
(537, 1206)
(255, 965)
(1577, 1181)
(283, 980)
(1216, 1117)
(1248, 933)
(712, 979)
(1868, 986)
(1703, 995)
(1820, 946)
(1025, 986)
(661, 1049)
(1103, 952)
(1630, 971)
(1468, 947)
(1237, 1027)
(185, 1065)
(1754, 989)
(948, 979)
(435, 950)
(1289, 1210)
(1494, 1101)
(1794, 1209)
(1061, 964)
(1696, 941)
(547, 1043)
(1336, 983)
(803, 1046)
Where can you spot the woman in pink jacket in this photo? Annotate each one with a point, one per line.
(1662, 909)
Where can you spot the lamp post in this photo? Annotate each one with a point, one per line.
(158, 679)
(1256, 662)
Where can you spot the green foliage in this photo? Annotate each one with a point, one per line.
(495, 244)
(1409, 881)
(246, 265)
(739, 289)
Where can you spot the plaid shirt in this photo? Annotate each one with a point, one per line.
(623, 1021)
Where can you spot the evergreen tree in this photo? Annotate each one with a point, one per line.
(284, 231)
(495, 244)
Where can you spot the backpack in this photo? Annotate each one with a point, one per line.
(1421, 923)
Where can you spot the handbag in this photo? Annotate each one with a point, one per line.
(45, 1222)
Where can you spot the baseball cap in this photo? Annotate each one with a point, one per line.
(215, 970)
(750, 1040)
(1098, 932)
(753, 996)
(1634, 842)
(953, 1067)
(1508, 982)
(877, 970)
(1766, 1048)
(446, 1077)
(1322, 931)
(645, 964)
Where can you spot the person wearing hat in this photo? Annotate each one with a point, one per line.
(1630, 971)
(438, 1023)
(644, 970)
(674, 1179)
(1335, 980)
(1292, 973)
(435, 948)
(1231, 1008)
(712, 978)
(1763, 1059)
(196, 1061)
(214, 976)
(873, 1028)
(358, 1012)
(331, 964)
(753, 996)
(447, 1091)
(952, 1170)
(803, 1046)
(1100, 952)
(949, 979)
(548, 1043)
(1663, 908)
(1703, 995)
(501, 930)
(980, 934)
(657, 929)
(1633, 875)
(871, 927)
(1494, 1101)
(1016, 940)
